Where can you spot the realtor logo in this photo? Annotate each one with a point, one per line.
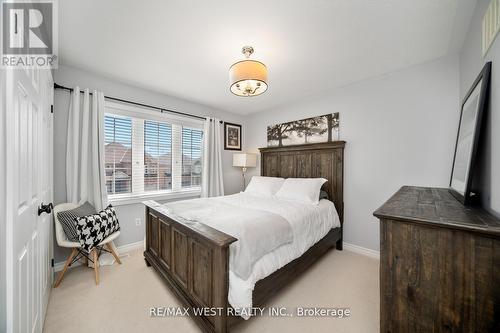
(29, 38)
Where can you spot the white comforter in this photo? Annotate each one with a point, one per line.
(258, 231)
(308, 223)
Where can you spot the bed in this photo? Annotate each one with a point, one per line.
(196, 260)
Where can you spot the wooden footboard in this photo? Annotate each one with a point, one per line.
(193, 259)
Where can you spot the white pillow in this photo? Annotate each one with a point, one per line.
(265, 186)
(305, 190)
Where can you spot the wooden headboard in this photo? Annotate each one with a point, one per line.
(317, 160)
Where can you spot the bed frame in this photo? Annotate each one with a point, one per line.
(193, 258)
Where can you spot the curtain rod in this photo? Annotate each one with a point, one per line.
(58, 86)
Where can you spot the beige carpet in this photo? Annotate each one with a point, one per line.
(122, 301)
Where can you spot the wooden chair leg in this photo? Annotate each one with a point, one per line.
(74, 252)
(96, 265)
(110, 248)
(86, 261)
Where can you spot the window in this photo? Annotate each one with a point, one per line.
(191, 157)
(118, 154)
(149, 153)
(157, 156)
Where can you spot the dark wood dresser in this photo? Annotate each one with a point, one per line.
(439, 264)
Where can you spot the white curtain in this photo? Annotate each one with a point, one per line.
(212, 180)
(85, 173)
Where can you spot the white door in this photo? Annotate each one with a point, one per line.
(28, 186)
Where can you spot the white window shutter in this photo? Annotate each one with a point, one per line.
(151, 153)
(176, 157)
(137, 155)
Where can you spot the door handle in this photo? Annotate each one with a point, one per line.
(45, 208)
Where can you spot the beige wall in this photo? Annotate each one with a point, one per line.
(400, 129)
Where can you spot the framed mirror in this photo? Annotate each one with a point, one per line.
(473, 108)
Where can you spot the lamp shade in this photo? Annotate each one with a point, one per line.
(245, 160)
(248, 78)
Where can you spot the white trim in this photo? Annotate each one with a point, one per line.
(130, 247)
(9, 118)
(121, 250)
(140, 245)
(120, 200)
(362, 250)
(3, 215)
(60, 265)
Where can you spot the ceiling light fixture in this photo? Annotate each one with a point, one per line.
(248, 77)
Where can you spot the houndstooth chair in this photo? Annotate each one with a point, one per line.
(76, 250)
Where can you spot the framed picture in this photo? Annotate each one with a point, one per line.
(323, 128)
(232, 136)
(469, 129)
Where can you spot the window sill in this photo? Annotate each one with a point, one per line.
(119, 200)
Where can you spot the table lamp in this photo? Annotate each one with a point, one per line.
(244, 161)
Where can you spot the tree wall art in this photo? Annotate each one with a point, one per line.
(311, 130)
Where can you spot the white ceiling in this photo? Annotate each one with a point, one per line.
(184, 48)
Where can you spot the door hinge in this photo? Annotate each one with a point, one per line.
(52, 262)
(52, 108)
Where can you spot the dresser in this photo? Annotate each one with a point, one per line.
(439, 264)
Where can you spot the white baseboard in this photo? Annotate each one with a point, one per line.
(362, 250)
(130, 247)
(140, 245)
(121, 250)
